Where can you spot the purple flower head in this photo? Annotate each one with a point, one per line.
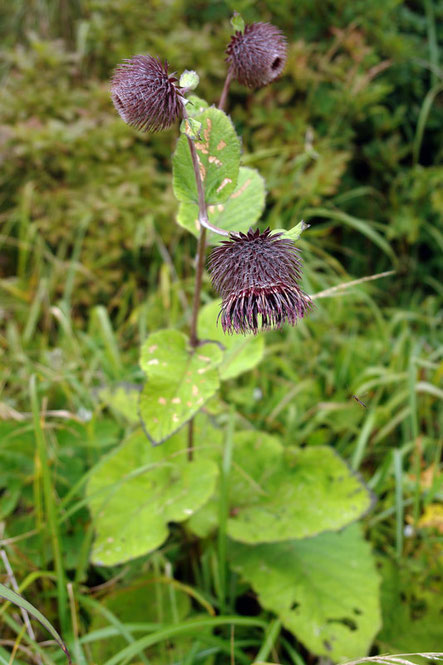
(145, 95)
(257, 56)
(257, 276)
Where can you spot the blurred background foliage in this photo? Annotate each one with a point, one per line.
(350, 139)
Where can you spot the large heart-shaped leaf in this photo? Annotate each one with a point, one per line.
(180, 380)
(123, 399)
(241, 353)
(279, 493)
(412, 610)
(136, 490)
(149, 599)
(325, 589)
(238, 213)
(218, 154)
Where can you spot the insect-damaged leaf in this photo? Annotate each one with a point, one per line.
(238, 213)
(325, 589)
(278, 493)
(180, 380)
(241, 353)
(136, 490)
(218, 154)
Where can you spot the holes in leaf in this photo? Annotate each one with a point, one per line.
(418, 608)
(248, 605)
(346, 621)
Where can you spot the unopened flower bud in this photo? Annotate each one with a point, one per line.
(257, 56)
(145, 95)
(189, 80)
(257, 277)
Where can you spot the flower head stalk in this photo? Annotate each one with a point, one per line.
(257, 277)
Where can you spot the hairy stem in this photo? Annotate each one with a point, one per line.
(200, 263)
(202, 209)
(224, 95)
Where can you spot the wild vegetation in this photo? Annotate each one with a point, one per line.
(248, 552)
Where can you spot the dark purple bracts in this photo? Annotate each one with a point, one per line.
(257, 56)
(145, 95)
(257, 276)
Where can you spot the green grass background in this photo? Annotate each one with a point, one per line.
(350, 139)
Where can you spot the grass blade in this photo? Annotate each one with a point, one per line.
(362, 225)
(193, 626)
(423, 118)
(51, 512)
(21, 602)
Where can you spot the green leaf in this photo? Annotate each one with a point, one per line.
(218, 154)
(279, 493)
(241, 211)
(136, 490)
(21, 602)
(122, 399)
(294, 233)
(325, 589)
(146, 601)
(191, 128)
(241, 353)
(180, 381)
(412, 608)
(237, 22)
(195, 105)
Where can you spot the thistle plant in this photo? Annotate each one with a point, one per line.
(256, 274)
(243, 484)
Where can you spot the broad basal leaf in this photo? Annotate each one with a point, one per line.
(325, 589)
(412, 603)
(241, 211)
(146, 600)
(218, 154)
(137, 489)
(279, 493)
(180, 380)
(123, 399)
(241, 353)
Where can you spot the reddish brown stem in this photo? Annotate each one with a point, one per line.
(200, 260)
(200, 264)
(224, 95)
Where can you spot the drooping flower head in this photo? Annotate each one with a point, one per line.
(257, 276)
(257, 56)
(145, 95)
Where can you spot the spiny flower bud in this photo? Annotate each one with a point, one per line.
(257, 56)
(257, 277)
(145, 95)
